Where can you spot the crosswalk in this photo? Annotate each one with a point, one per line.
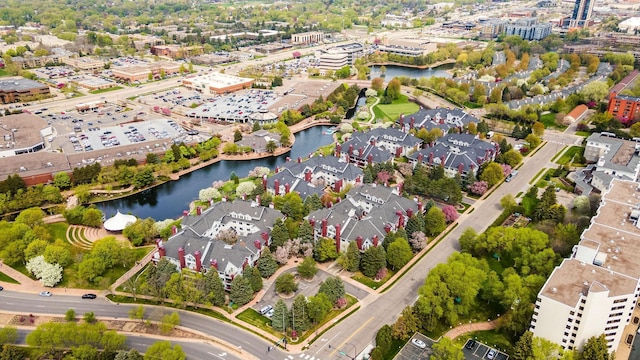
(302, 356)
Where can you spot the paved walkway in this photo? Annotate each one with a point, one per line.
(468, 328)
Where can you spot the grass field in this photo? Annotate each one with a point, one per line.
(391, 112)
(549, 121)
(6, 278)
(576, 151)
(100, 91)
(3, 72)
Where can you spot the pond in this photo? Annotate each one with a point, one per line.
(395, 71)
(171, 198)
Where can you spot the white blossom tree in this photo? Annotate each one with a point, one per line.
(48, 274)
(208, 194)
(282, 254)
(161, 225)
(418, 240)
(246, 187)
(259, 171)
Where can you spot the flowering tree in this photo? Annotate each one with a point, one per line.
(418, 240)
(506, 169)
(246, 187)
(383, 177)
(371, 93)
(381, 274)
(450, 213)
(228, 236)
(478, 187)
(282, 254)
(346, 128)
(209, 193)
(259, 171)
(218, 184)
(48, 274)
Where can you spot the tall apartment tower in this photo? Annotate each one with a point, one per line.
(581, 13)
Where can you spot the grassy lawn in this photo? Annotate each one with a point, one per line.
(254, 318)
(583, 133)
(58, 230)
(204, 311)
(472, 105)
(392, 111)
(6, 278)
(3, 72)
(100, 91)
(549, 121)
(574, 151)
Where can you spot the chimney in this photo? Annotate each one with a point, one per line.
(257, 244)
(324, 228)
(398, 151)
(258, 199)
(337, 238)
(360, 152)
(401, 121)
(181, 258)
(460, 168)
(420, 157)
(245, 263)
(185, 213)
(442, 160)
(400, 219)
(213, 263)
(276, 187)
(338, 149)
(199, 210)
(299, 159)
(287, 188)
(161, 250)
(431, 158)
(288, 159)
(387, 228)
(337, 185)
(312, 222)
(412, 122)
(307, 176)
(265, 238)
(400, 188)
(372, 142)
(359, 242)
(375, 240)
(174, 230)
(198, 257)
(370, 159)
(409, 212)
(420, 206)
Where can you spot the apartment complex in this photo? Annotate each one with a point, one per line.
(595, 290)
(528, 29)
(623, 106)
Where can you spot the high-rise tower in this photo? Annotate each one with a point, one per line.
(581, 13)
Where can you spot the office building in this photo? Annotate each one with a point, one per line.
(581, 16)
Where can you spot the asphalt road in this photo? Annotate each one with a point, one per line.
(359, 329)
(58, 305)
(194, 349)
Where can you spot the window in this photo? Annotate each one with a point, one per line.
(619, 301)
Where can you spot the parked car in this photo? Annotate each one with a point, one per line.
(1, 288)
(89, 296)
(266, 309)
(419, 343)
(45, 293)
(470, 344)
(491, 354)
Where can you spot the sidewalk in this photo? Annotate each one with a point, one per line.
(468, 328)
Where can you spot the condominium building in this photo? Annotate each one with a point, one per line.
(622, 105)
(528, 29)
(595, 290)
(582, 11)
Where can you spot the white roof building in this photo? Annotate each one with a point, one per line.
(630, 25)
(119, 221)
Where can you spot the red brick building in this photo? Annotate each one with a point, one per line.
(625, 108)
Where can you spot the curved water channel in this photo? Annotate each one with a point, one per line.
(395, 71)
(171, 198)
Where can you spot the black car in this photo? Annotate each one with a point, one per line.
(1, 288)
(89, 296)
(470, 344)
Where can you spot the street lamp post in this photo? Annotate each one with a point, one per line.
(355, 351)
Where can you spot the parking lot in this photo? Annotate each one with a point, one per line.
(476, 350)
(414, 349)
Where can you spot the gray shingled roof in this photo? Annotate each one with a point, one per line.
(444, 119)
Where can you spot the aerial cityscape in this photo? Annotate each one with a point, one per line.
(318, 180)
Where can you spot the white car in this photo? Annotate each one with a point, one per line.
(419, 343)
(45, 293)
(491, 354)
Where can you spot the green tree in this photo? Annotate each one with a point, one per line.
(241, 291)
(89, 317)
(286, 283)
(318, 307)
(492, 174)
(214, 288)
(523, 348)
(169, 322)
(595, 91)
(164, 351)
(333, 287)
(132, 354)
(31, 217)
(384, 338)
(267, 264)
(137, 313)
(62, 180)
(372, 260)
(271, 146)
(8, 335)
(70, 315)
(350, 260)
(325, 250)
(435, 221)
(634, 130)
(300, 320)
(445, 349)
(279, 235)
(596, 349)
(11, 352)
(511, 158)
(508, 202)
(280, 317)
(92, 217)
(237, 136)
(406, 325)
(307, 268)
(141, 231)
(144, 178)
(399, 253)
(254, 277)
(393, 89)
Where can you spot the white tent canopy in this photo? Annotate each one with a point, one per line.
(119, 221)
